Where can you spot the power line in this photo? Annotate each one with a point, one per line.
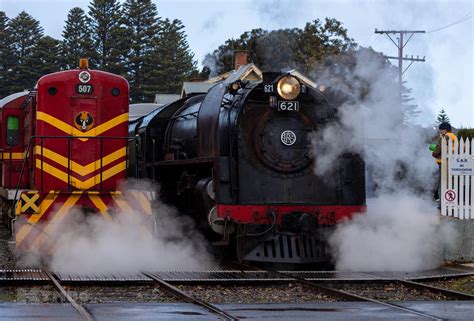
(460, 20)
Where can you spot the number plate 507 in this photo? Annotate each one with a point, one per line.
(288, 106)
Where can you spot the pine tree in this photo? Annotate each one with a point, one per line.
(174, 61)
(46, 55)
(25, 33)
(6, 56)
(107, 36)
(77, 42)
(142, 34)
(442, 117)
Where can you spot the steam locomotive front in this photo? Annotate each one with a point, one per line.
(281, 208)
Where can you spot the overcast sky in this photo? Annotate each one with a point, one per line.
(445, 80)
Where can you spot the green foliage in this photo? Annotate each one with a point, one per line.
(466, 133)
(442, 117)
(278, 49)
(77, 42)
(174, 60)
(142, 32)
(107, 36)
(25, 34)
(6, 55)
(128, 40)
(46, 55)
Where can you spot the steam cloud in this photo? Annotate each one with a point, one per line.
(401, 230)
(91, 244)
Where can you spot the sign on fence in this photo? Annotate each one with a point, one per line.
(457, 178)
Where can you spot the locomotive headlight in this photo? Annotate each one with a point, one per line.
(288, 87)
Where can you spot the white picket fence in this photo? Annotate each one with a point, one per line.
(457, 178)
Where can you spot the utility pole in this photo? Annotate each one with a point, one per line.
(400, 45)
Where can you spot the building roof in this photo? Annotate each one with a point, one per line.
(195, 87)
(166, 98)
(245, 72)
(139, 110)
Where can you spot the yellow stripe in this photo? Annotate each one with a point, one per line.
(91, 182)
(45, 204)
(70, 130)
(53, 224)
(22, 233)
(122, 203)
(78, 168)
(101, 206)
(143, 201)
(6, 156)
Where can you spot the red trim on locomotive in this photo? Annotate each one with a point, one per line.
(258, 214)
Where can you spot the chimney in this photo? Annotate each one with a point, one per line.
(240, 58)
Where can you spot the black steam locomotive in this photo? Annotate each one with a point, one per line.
(239, 160)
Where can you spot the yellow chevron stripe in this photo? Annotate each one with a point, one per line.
(84, 185)
(122, 203)
(143, 201)
(78, 168)
(101, 206)
(71, 130)
(26, 229)
(22, 233)
(54, 222)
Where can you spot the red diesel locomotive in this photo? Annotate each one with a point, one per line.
(64, 145)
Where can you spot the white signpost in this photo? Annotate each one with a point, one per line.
(457, 178)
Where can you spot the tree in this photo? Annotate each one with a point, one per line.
(174, 61)
(77, 42)
(278, 49)
(6, 55)
(142, 33)
(442, 117)
(25, 33)
(108, 36)
(46, 55)
(318, 41)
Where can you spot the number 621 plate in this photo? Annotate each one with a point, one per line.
(288, 106)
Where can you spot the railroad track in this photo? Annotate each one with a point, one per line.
(228, 276)
(323, 281)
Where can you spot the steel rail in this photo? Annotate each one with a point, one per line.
(432, 289)
(85, 315)
(349, 296)
(183, 295)
(437, 290)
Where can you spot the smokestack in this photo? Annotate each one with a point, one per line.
(240, 58)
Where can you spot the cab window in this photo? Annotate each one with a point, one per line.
(13, 130)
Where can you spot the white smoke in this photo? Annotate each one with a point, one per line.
(88, 243)
(401, 230)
